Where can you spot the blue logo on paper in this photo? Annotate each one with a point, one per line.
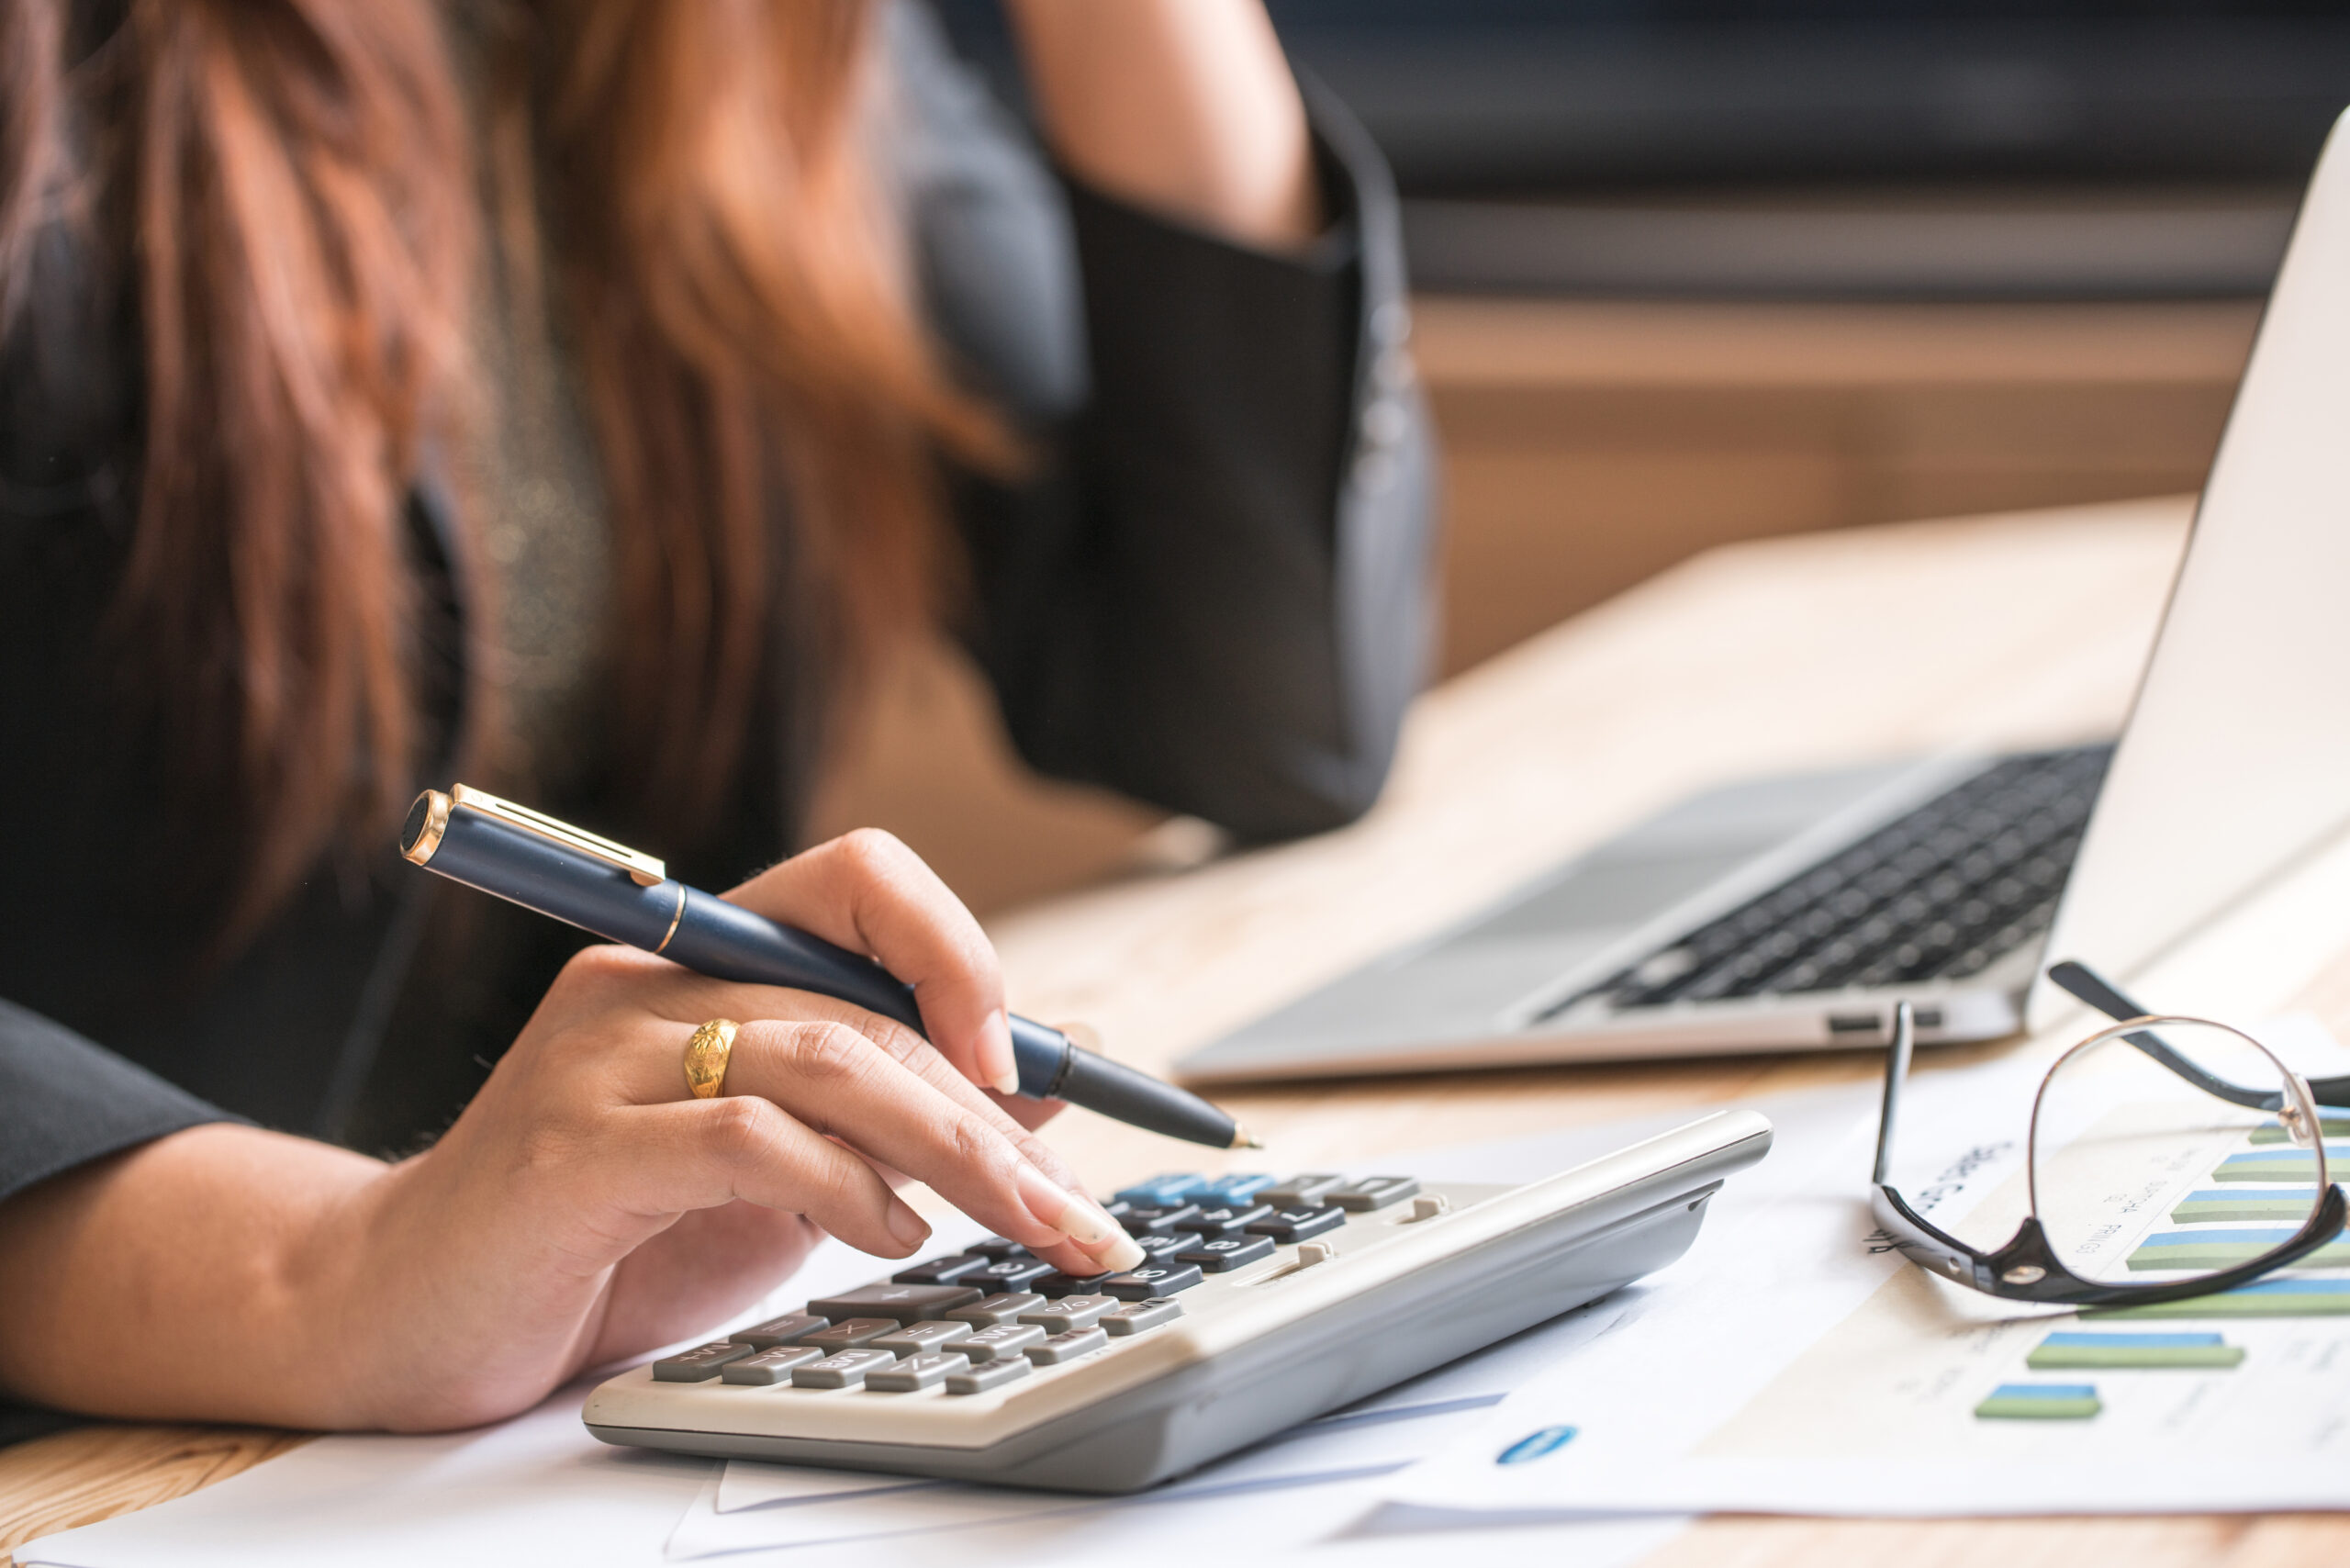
(1549, 1439)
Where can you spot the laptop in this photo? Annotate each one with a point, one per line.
(1791, 913)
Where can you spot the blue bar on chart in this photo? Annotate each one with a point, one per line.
(2074, 1351)
(2040, 1402)
(2208, 1250)
(2264, 1298)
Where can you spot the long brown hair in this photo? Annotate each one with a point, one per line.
(303, 219)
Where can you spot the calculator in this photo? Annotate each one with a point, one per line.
(1262, 1302)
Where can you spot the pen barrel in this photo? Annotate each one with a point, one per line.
(728, 942)
(1135, 1098)
(490, 855)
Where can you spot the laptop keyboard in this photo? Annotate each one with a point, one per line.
(1939, 893)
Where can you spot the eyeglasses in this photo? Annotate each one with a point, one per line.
(2169, 1156)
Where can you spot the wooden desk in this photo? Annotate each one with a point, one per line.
(1786, 653)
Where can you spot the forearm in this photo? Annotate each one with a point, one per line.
(1183, 107)
(210, 1273)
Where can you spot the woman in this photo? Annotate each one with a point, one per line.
(596, 464)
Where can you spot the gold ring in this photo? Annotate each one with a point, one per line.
(706, 1056)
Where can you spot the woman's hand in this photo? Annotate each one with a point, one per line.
(584, 1208)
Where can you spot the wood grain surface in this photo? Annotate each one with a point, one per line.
(1781, 654)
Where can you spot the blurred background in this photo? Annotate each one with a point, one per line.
(1693, 271)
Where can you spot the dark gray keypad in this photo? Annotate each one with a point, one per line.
(941, 1271)
(1299, 1191)
(1224, 1219)
(1137, 1315)
(917, 1372)
(1058, 1348)
(850, 1333)
(1226, 1252)
(1010, 1275)
(1004, 1339)
(845, 1369)
(1158, 1219)
(699, 1364)
(1150, 1280)
(915, 1338)
(1003, 1307)
(1372, 1193)
(765, 1368)
(1071, 1312)
(901, 1303)
(1158, 1248)
(996, 1247)
(785, 1331)
(1298, 1223)
(1058, 1284)
(994, 1374)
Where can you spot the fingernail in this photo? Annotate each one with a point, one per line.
(906, 1224)
(1121, 1254)
(1079, 1218)
(995, 1054)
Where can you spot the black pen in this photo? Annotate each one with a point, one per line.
(559, 870)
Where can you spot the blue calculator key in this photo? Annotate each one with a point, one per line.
(1225, 1218)
(1012, 1275)
(941, 1271)
(1227, 1252)
(1059, 1284)
(1237, 1189)
(1163, 1192)
(1295, 1225)
(1158, 1219)
(1151, 1280)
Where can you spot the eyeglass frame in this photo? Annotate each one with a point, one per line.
(2027, 1268)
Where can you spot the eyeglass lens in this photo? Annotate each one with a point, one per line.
(2140, 1177)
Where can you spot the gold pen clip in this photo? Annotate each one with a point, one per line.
(642, 869)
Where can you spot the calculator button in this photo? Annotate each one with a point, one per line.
(997, 1309)
(850, 1333)
(1372, 1193)
(915, 1338)
(1224, 1219)
(1242, 1189)
(1227, 1252)
(1152, 1279)
(1158, 1219)
(995, 1374)
(1004, 1339)
(771, 1366)
(921, 1371)
(1299, 1191)
(1296, 1224)
(1158, 1248)
(941, 1271)
(1058, 1284)
(1137, 1315)
(1162, 1192)
(1066, 1347)
(785, 1331)
(996, 1247)
(844, 1370)
(899, 1304)
(699, 1364)
(1012, 1275)
(1071, 1312)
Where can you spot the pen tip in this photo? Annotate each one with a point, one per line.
(1242, 1139)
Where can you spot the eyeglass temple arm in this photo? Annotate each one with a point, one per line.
(1896, 1073)
(2086, 985)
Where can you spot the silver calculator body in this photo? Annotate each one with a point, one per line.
(1415, 1275)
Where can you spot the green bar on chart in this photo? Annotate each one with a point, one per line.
(2209, 1250)
(2328, 1126)
(2071, 1351)
(2268, 1298)
(2291, 1205)
(2276, 1165)
(2040, 1402)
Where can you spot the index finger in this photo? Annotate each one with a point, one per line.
(866, 891)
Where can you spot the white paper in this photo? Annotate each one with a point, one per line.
(1805, 1371)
